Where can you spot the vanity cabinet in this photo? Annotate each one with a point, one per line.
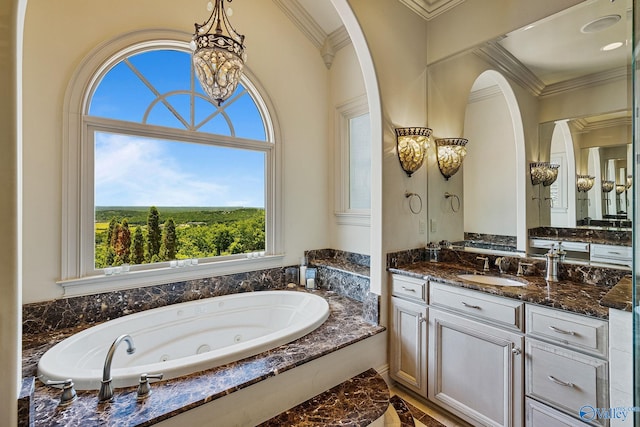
(408, 341)
(566, 366)
(475, 356)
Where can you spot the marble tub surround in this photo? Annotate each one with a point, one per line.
(589, 235)
(25, 402)
(344, 326)
(620, 296)
(64, 313)
(346, 273)
(358, 401)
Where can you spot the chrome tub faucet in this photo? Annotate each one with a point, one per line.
(106, 389)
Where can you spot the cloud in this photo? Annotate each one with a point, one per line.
(132, 171)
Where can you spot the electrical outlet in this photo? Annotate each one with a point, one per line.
(422, 227)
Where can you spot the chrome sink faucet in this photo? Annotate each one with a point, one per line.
(106, 389)
(502, 263)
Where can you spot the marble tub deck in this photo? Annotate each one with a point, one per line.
(344, 326)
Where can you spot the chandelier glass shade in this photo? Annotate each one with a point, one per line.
(412, 147)
(450, 153)
(218, 54)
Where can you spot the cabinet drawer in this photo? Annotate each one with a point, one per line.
(409, 287)
(577, 332)
(565, 379)
(505, 312)
(612, 254)
(542, 243)
(575, 246)
(541, 415)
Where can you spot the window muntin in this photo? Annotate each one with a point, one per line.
(178, 122)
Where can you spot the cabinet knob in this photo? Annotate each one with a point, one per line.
(421, 319)
(516, 351)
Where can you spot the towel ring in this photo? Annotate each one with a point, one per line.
(410, 196)
(451, 198)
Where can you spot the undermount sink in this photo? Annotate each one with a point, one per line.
(491, 280)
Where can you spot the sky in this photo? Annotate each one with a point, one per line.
(140, 171)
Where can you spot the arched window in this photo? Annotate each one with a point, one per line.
(163, 177)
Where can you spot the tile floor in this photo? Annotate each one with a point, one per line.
(424, 414)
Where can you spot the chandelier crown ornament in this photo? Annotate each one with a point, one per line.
(218, 54)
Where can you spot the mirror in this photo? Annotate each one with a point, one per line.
(602, 158)
(576, 64)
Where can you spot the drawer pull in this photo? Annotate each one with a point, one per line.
(557, 381)
(614, 253)
(561, 331)
(404, 288)
(477, 307)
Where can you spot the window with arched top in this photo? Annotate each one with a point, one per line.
(160, 179)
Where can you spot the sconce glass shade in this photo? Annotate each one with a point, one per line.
(412, 147)
(607, 186)
(629, 181)
(620, 188)
(551, 174)
(585, 182)
(450, 152)
(218, 57)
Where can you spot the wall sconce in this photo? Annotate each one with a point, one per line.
(544, 173)
(450, 152)
(607, 186)
(585, 182)
(412, 147)
(620, 188)
(629, 181)
(551, 174)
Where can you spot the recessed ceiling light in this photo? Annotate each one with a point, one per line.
(611, 46)
(600, 24)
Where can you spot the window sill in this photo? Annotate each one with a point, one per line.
(138, 279)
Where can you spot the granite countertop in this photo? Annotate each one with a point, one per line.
(620, 296)
(344, 326)
(576, 297)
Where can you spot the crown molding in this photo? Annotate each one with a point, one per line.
(588, 80)
(429, 9)
(327, 44)
(499, 57)
(582, 125)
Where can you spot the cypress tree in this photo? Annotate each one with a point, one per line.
(137, 247)
(170, 240)
(154, 236)
(123, 244)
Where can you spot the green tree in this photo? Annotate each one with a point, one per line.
(169, 240)
(137, 247)
(222, 239)
(154, 235)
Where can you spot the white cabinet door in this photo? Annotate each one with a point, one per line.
(408, 364)
(475, 370)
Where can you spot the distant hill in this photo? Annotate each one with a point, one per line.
(137, 215)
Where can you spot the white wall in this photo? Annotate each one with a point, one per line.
(296, 79)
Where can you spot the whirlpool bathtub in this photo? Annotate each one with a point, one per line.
(185, 338)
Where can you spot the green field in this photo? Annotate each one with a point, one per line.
(201, 231)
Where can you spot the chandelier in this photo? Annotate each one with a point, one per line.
(218, 54)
